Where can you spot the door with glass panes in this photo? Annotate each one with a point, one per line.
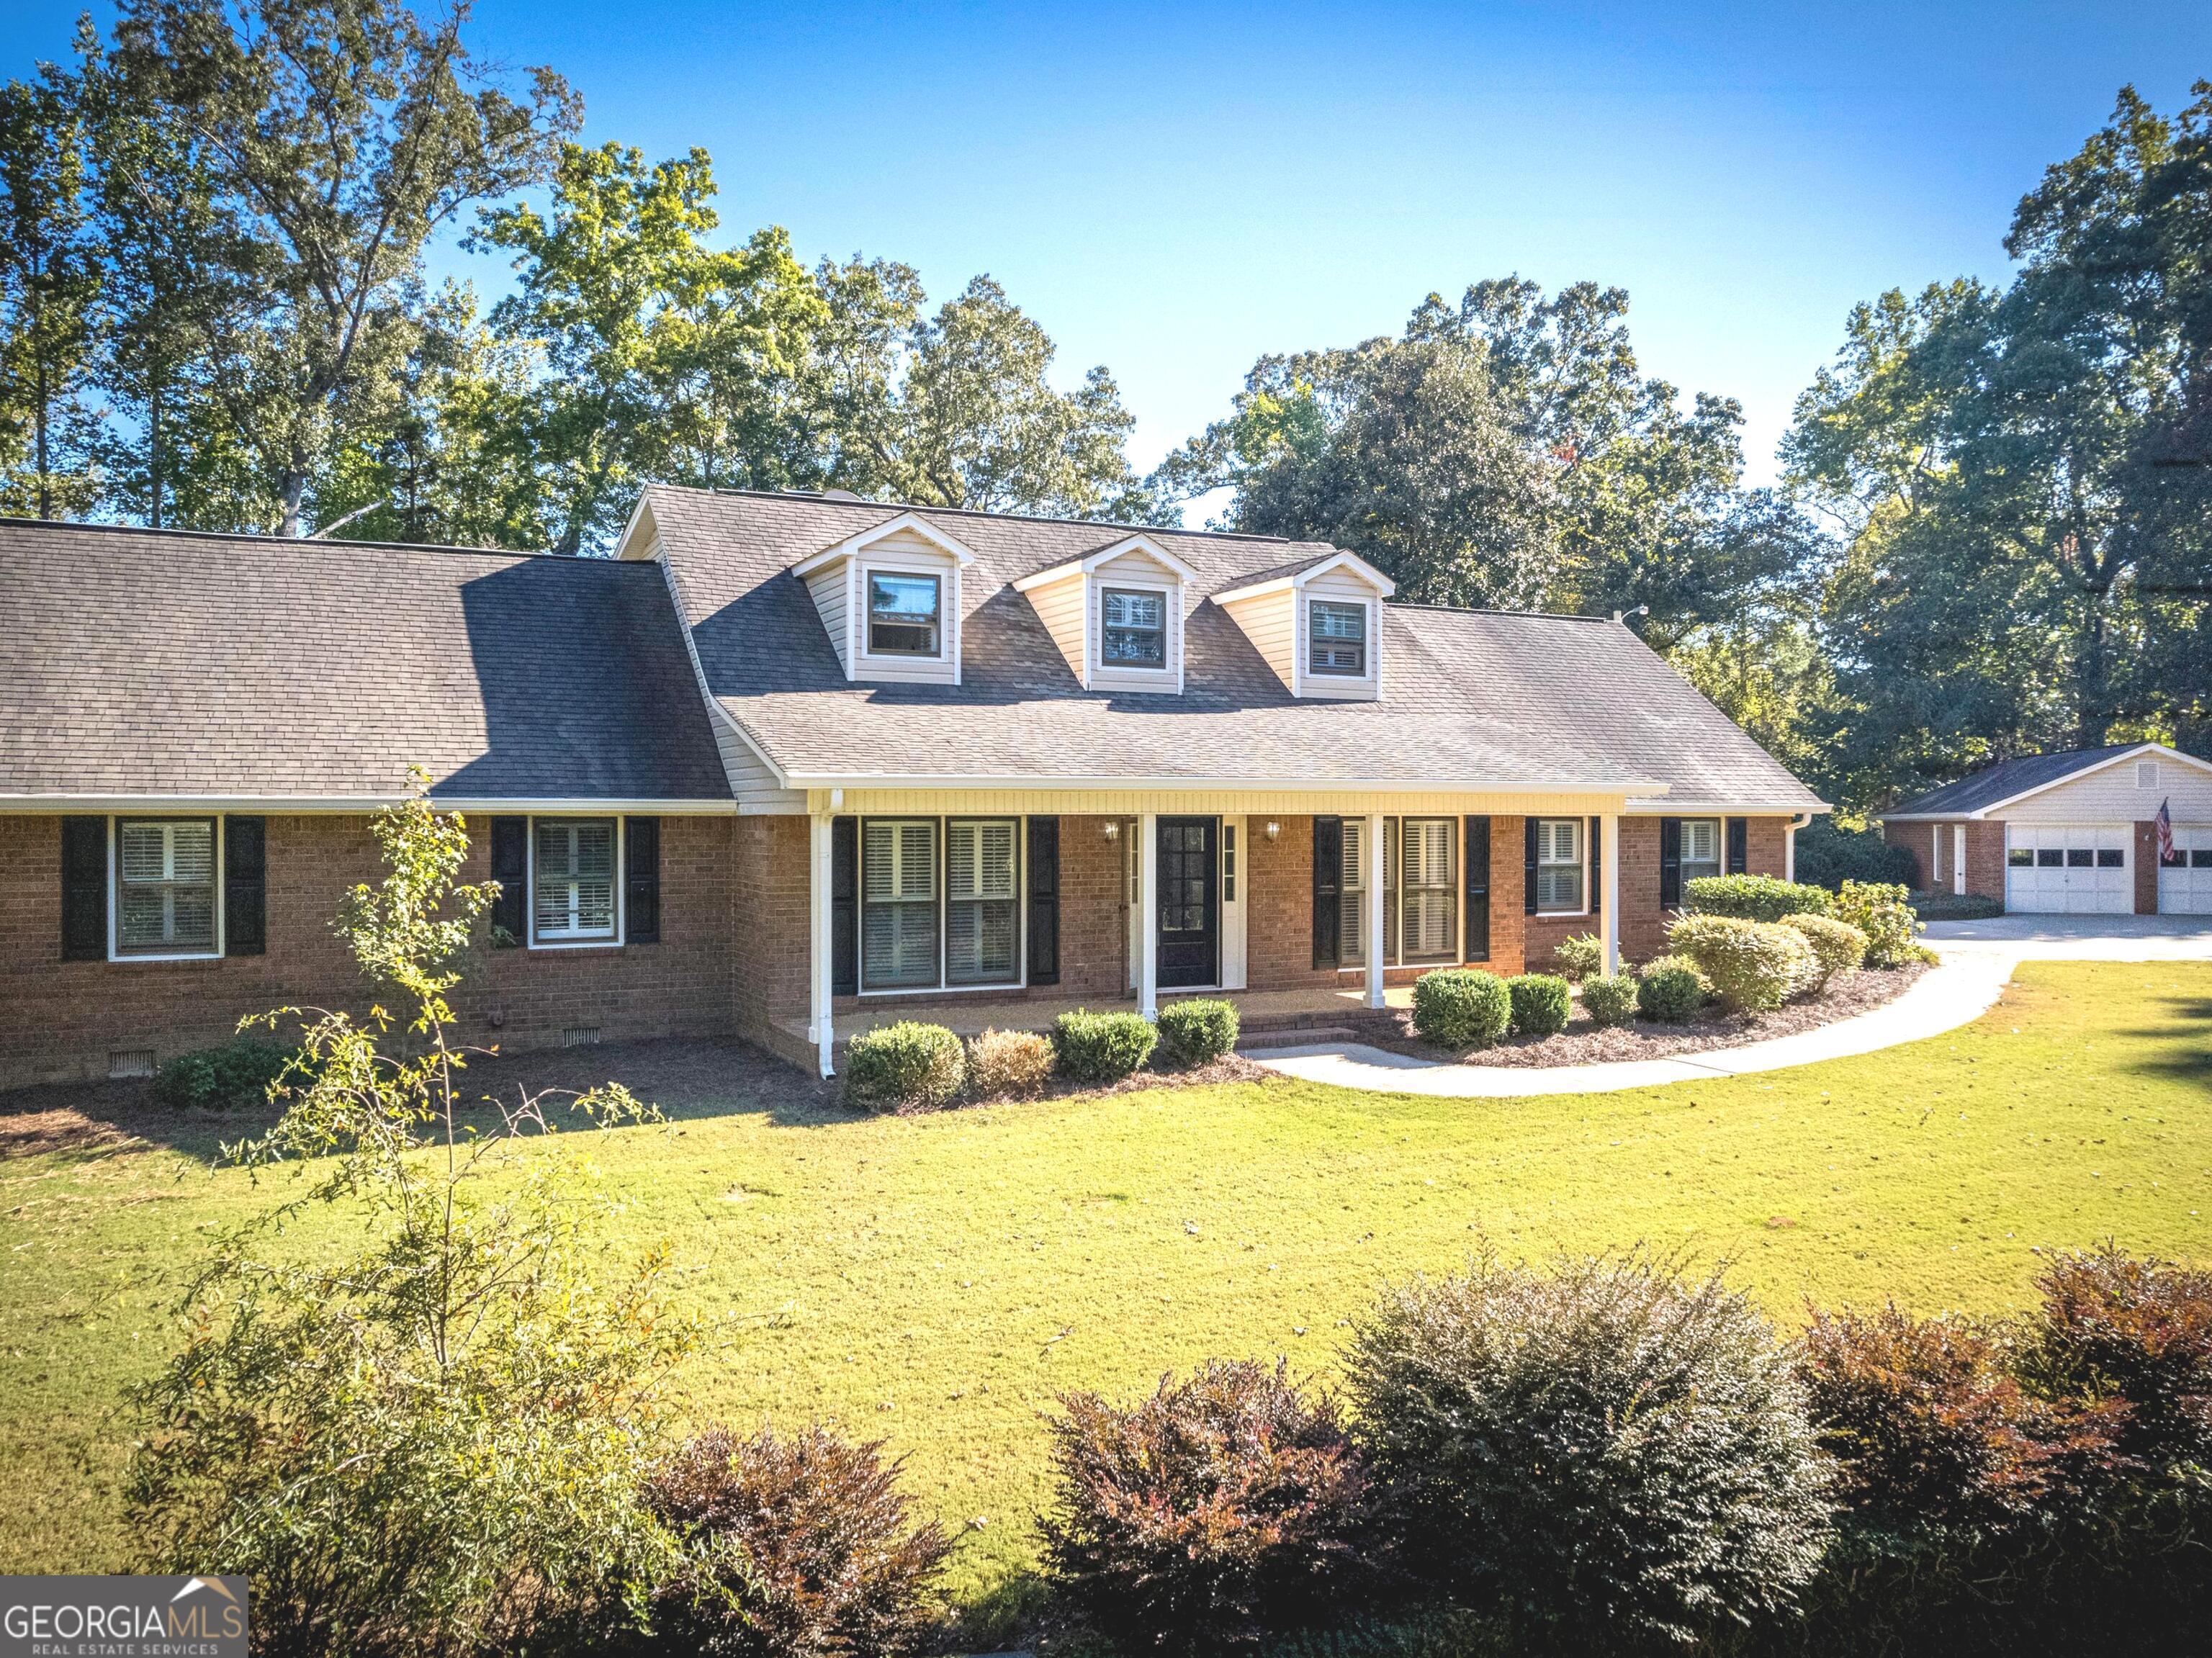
(1189, 904)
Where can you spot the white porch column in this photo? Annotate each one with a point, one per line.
(821, 1027)
(1375, 901)
(1610, 877)
(1148, 914)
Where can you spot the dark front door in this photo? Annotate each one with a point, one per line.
(1190, 903)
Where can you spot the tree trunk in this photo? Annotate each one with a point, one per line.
(295, 486)
(45, 477)
(154, 456)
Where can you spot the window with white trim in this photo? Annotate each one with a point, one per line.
(1132, 631)
(982, 909)
(573, 880)
(1701, 847)
(1559, 866)
(1420, 894)
(898, 907)
(904, 616)
(164, 879)
(1336, 638)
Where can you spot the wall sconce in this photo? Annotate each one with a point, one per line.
(1112, 830)
(1273, 830)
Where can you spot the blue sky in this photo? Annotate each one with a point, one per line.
(1173, 191)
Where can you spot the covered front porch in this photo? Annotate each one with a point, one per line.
(1004, 909)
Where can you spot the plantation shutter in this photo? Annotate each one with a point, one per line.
(982, 910)
(1596, 852)
(1529, 865)
(1044, 900)
(245, 886)
(1327, 892)
(1352, 895)
(844, 906)
(1476, 861)
(1670, 863)
(898, 919)
(510, 867)
(1428, 903)
(642, 880)
(1739, 845)
(84, 889)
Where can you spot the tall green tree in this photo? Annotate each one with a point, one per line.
(49, 279)
(341, 135)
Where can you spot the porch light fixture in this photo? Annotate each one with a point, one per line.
(1273, 830)
(1113, 830)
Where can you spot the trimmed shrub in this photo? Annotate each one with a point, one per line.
(907, 1066)
(1829, 855)
(1837, 946)
(1003, 1063)
(1101, 1047)
(237, 1073)
(1610, 997)
(1755, 897)
(1579, 957)
(1194, 1032)
(1955, 907)
(792, 1548)
(1461, 1007)
(1609, 1458)
(1218, 1512)
(1540, 1001)
(1884, 915)
(1752, 966)
(1670, 989)
(2137, 1332)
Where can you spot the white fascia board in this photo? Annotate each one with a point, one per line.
(1639, 788)
(1642, 808)
(1359, 566)
(852, 545)
(638, 513)
(1139, 544)
(286, 804)
(2125, 756)
(1046, 577)
(1259, 589)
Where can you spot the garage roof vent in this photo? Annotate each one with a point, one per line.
(2146, 773)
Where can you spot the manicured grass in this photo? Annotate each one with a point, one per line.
(935, 1281)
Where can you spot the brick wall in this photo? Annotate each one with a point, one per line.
(2146, 867)
(63, 1017)
(1094, 910)
(1279, 906)
(769, 939)
(1985, 855)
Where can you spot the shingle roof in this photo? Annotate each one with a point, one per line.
(2005, 780)
(136, 662)
(1471, 700)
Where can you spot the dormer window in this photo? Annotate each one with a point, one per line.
(902, 614)
(1133, 628)
(1338, 636)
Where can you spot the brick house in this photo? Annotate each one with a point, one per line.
(2073, 833)
(790, 763)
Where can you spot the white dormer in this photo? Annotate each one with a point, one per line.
(1116, 614)
(1320, 627)
(890, 600)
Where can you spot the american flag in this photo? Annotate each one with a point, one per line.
(2164, 834)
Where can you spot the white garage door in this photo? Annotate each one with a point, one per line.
(2186, 889)
(2075, 870)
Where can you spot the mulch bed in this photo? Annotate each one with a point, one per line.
(1585, 1043)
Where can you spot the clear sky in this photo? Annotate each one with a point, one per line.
(1174, 190)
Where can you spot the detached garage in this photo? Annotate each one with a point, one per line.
(2073, 833)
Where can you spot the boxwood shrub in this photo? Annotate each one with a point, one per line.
(1579, 957)
(1754, 965)
(1756, 897)
(1540, 1001)
(1671, 990)
(1837, 946)
(1195, 1031)
(907, 1066)
(1610, 997)
(1461, 1007)
(237, 1073)
(1101, 1047)
(1002, 1063)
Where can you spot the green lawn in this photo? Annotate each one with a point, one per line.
(935, 1281)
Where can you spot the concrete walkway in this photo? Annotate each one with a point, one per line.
(1977, 959)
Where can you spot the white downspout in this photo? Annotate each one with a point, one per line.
(820, 1025)
(1802, 820)
(1611, 878)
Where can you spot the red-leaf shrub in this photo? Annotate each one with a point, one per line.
(1216, 1512)
(2117, 1329)
(795, 1548)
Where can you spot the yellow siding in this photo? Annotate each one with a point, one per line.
(1060, 606)
(1266, 621)
(1128, 803)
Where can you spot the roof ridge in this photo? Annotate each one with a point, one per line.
(8, 521)
(1479, 609)
(978, 512)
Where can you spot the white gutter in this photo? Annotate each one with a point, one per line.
(281, 804)
(1640, 787)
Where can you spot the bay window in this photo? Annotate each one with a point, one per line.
(164, 886)
(1559, 866)
(573, 880)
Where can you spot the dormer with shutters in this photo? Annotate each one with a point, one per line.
(1319, 625)
(1117, 615)
(889, 598)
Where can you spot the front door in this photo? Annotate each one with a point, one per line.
(1190, 903)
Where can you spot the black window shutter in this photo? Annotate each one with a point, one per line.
(1044, 900)
(1528, 864)
(642, 880)
(1475, 862)
(84, 889)
(245, 886)
(844, 907)
(1670, 863)
(1739, 845)
(1596, 865)
(510, 867)
(1327, 892)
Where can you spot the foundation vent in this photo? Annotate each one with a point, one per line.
(580, 1035)
(124, 1062)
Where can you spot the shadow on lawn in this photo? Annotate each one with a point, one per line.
(2188, 1017)
(82, 1123)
